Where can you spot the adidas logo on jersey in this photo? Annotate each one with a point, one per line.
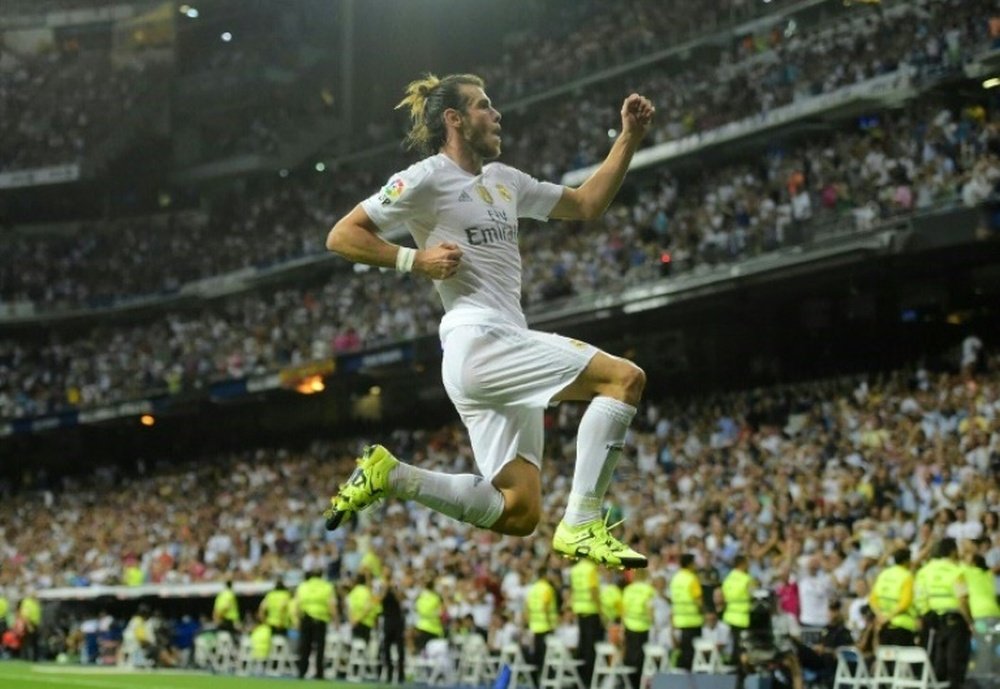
(464, 197)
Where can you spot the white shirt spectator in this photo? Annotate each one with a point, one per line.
(971, 346)
(802, 206)
(815, 593)
(720, 635)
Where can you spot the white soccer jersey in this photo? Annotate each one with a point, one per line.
(438, 201)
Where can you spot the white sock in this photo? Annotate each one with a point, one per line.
(598, 448)
(466, 497)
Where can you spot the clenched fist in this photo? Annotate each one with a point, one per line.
(438, 262)
(637, 114)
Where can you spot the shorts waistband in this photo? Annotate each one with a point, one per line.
(467, 315)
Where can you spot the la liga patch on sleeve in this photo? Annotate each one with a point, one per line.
(391, 191)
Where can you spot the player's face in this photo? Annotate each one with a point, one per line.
(481, 123)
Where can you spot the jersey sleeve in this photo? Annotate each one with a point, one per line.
(535, 199)
(405, 196)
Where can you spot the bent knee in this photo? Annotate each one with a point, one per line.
(520, 516)
(524, 526)
(630, 381)
(635, 381)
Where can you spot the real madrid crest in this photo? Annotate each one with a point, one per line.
(484, 194)
(504, 194)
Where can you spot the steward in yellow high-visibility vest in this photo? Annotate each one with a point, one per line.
(4, 612)
(737, 592)
(892, 601)
(637, 617)
(543, 616)
(260, 642)
(429, 609)
(686, 603)
(226, 610)
(611, 604)
(275, 609)
(982, 592)
(362, 609)
(315, 606)
(948, 599)
(30, 611)
(585, 597)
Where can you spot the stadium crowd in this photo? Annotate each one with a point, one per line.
(925, 38)
(277, 223)
(905, 164)
(816, 483)
(570, 41)
(59, 106)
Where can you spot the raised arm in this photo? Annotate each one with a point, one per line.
(592, 198)
(356, 238)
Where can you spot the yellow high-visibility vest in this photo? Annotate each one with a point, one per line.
(226, 607)
(982, 593)
(611, 602)
(359, 599)
(736, 592)
(260, 642)
(133, 576)
(636, 613)
(942, 574)
(892, 587)
(313, 597)
(541, 607)
(428, 608)
(583, 579)
(31, 610)
(686, 607)
(276, 608)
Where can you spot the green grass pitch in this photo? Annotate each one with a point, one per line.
(17, 675)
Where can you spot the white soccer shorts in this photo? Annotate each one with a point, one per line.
(500, 379)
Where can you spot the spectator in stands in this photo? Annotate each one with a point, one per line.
(816, 591)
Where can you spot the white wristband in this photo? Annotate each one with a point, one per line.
(404, 259)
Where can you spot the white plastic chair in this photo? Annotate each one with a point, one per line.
(359, 662)
(852, 672)
(511, 656)
(707, 659)
(433, 667)
(281, 658)
(225, 655)
(911, 669)
(336, 654)
(655, 660)
(609, 673)
(245, 662)
(560, 670)
(476, 667)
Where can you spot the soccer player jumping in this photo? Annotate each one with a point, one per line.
(499, 374)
